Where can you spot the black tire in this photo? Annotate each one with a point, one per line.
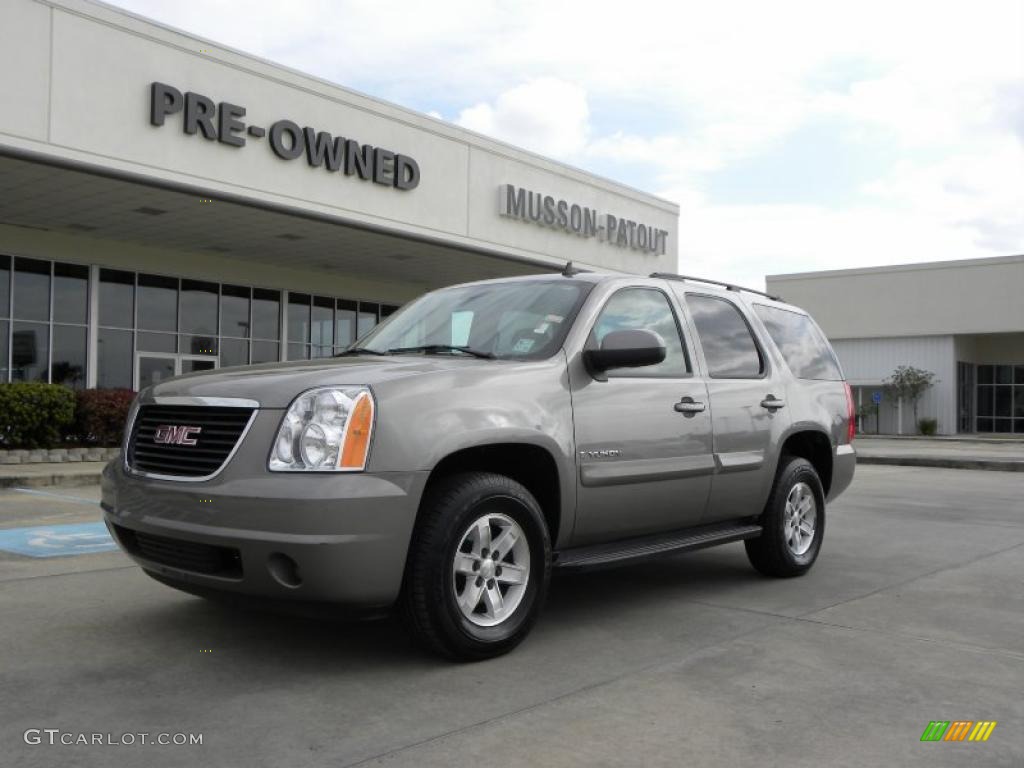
(429, 601)
(772, 553)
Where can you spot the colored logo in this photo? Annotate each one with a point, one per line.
(176, 435)
(958, 730)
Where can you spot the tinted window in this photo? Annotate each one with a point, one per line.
(114, 367)
(5, 288)
(70, 293)
(158, 303)
(117, 296)
(30, 352)
(31, 289)
(198, 308)
(298, 319)
(729, 349)
(647, 309)
(805, 350)
(367, 318)
(266, 307)
(345, 323)
(234, 311)
(68, 366)
(4, 335)
(323, 326)
(234, 352)
(265, 352)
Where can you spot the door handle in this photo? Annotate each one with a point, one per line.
(688, 406)
(773, 403)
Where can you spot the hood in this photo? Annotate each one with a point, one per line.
(275, 385)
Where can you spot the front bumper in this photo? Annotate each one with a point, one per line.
(844, 462)
(320, 538)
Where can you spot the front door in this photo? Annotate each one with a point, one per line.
(643, 437)
(154, 367)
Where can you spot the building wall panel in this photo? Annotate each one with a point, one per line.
(868, 362)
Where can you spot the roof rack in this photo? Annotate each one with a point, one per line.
(727, 286)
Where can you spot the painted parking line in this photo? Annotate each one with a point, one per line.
(57, 540)
(61, 496)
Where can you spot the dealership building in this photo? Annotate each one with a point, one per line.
(961, 320)
(170, 205)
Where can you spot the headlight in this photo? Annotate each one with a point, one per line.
(325, 430)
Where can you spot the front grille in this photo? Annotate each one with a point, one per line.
(215, 430)
(186, 555)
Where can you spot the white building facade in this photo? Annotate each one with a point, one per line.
(169, 205)
(961, 320)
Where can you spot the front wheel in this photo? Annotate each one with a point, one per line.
(478, 567)
(793, 521)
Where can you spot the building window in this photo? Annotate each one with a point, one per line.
(345, 324)
(44, 310)
(322, 327)
(31, 296)
(298, 326)
(1000, 399)
(368, 316)
(44, 324)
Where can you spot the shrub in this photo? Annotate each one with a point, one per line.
(928, 426)
(100, 415)
(33, 414)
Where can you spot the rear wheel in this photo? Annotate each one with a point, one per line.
(793, 521)
(478, 567)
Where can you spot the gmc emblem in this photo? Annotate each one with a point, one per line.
(176, 435)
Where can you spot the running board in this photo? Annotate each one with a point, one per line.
(643, 547)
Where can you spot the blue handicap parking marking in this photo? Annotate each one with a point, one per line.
(57, 540)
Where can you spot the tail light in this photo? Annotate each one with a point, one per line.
(851, 415)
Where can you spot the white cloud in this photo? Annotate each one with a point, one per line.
(546, 115)
(674, 92)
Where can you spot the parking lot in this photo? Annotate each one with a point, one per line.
(913, 613)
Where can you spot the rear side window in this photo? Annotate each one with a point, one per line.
(805, 349)
(729, 347)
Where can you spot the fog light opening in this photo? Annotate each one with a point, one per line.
(284, 570)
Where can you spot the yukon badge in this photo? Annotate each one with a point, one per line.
(167, 434)
(608, 453)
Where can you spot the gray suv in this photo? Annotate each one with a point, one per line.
(484, 435)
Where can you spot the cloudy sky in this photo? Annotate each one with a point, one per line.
(795, 136)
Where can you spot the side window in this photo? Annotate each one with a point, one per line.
(729, 348)
(647, 309)
(805, 350)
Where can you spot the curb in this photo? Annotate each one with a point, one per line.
(992, 465)
(65, 480)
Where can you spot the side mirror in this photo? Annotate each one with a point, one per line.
(625, 349)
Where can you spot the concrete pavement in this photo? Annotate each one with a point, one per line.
(951, 453)
(913, 613)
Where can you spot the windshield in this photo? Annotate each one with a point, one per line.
(522, 320)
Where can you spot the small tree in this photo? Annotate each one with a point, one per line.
(910, 383)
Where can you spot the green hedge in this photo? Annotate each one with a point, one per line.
(34, 415)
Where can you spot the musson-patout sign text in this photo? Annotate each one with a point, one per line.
(548, 211)
(221, 122)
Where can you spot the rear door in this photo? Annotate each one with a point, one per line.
(748, 405)
(643, 437)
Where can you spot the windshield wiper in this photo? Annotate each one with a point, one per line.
(436, 348)
(361, 351)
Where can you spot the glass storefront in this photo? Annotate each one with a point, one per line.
(44, 314)
(1000, 399)
(151, 326)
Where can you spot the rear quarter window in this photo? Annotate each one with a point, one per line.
(803, 347)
